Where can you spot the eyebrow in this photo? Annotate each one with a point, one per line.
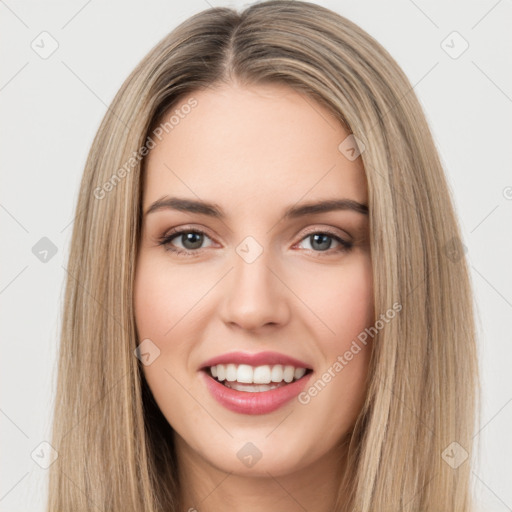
(292, 212)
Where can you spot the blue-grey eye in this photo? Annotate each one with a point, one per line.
(191, 240)
(320, 241)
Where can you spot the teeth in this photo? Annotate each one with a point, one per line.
(288, 373)
(244, 373)
(221, 372)
(277, 373)
(231, 372)
(299, 373)
(266, 374)
(261, 374)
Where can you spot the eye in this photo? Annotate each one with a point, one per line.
(192, 240)
(322, 241)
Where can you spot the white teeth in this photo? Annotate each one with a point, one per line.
(265, 374)
(261, 375)
(221, 372)
(244, 374)
(277, 373)
(299, 373)
(231, 372)
(288, 373)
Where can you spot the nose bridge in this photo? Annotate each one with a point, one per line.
(255, 296)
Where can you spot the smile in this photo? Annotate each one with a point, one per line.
(244, 377)
(254, 388)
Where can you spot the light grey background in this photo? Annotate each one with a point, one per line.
(51, 109)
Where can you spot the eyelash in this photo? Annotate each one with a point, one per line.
(166, 242)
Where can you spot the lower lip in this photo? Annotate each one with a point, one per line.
(245, 402)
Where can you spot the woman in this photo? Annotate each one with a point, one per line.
(267, 307)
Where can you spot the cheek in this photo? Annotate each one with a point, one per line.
(341, 299)
(353, 300)
(158, 310)
(336, 395)
(159, 313)
(162, 298)
(345, 311)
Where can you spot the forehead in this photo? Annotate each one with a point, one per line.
(242, 144)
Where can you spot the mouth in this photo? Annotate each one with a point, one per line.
(255, 379)
(254, 383)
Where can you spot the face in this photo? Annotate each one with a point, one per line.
(248, 303)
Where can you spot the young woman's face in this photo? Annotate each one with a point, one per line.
(248, 293)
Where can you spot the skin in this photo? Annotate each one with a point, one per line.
(254, 151)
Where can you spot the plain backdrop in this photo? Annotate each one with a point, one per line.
(51, 107)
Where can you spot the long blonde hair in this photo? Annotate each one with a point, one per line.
(114, 445)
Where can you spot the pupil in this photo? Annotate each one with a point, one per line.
(191, 238)
(323, 245)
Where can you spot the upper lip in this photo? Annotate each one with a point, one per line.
(255, 359)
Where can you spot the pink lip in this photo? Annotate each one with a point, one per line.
(258, 359)
(245, 402)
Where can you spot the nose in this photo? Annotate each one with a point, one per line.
(255, 295)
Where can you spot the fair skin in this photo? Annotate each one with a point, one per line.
(254, 152)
